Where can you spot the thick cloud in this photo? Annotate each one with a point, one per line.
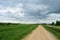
(30, 11)
(43, 9)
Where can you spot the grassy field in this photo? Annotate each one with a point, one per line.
(53, 29)
(15, 32)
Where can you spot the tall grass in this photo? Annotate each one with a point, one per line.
(54, 30)
(15, 32)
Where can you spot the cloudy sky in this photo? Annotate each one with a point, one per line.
(29, 11)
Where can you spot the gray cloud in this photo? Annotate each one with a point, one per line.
(33, 11)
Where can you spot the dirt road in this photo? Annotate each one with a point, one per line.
(40, 34)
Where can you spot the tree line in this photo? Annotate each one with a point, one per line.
(9, 23)
(57, 23)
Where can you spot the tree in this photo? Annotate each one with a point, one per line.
(52, 23)
(57, 22)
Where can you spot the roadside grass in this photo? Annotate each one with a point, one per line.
(15, 32)
(55, 31)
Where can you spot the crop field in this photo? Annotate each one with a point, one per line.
(53, 29)
(15, 31)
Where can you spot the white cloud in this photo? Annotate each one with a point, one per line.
(54, 16)
(17, 10)
(3, 10)
(8, 13)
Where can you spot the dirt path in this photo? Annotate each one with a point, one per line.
(40, 34)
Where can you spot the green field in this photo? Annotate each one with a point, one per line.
(15, 31)
(53, 29)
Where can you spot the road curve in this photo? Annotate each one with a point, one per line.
(40, 34)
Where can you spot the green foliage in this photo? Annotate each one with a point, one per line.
(57, 22)
(14, 31)
(53, 23)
